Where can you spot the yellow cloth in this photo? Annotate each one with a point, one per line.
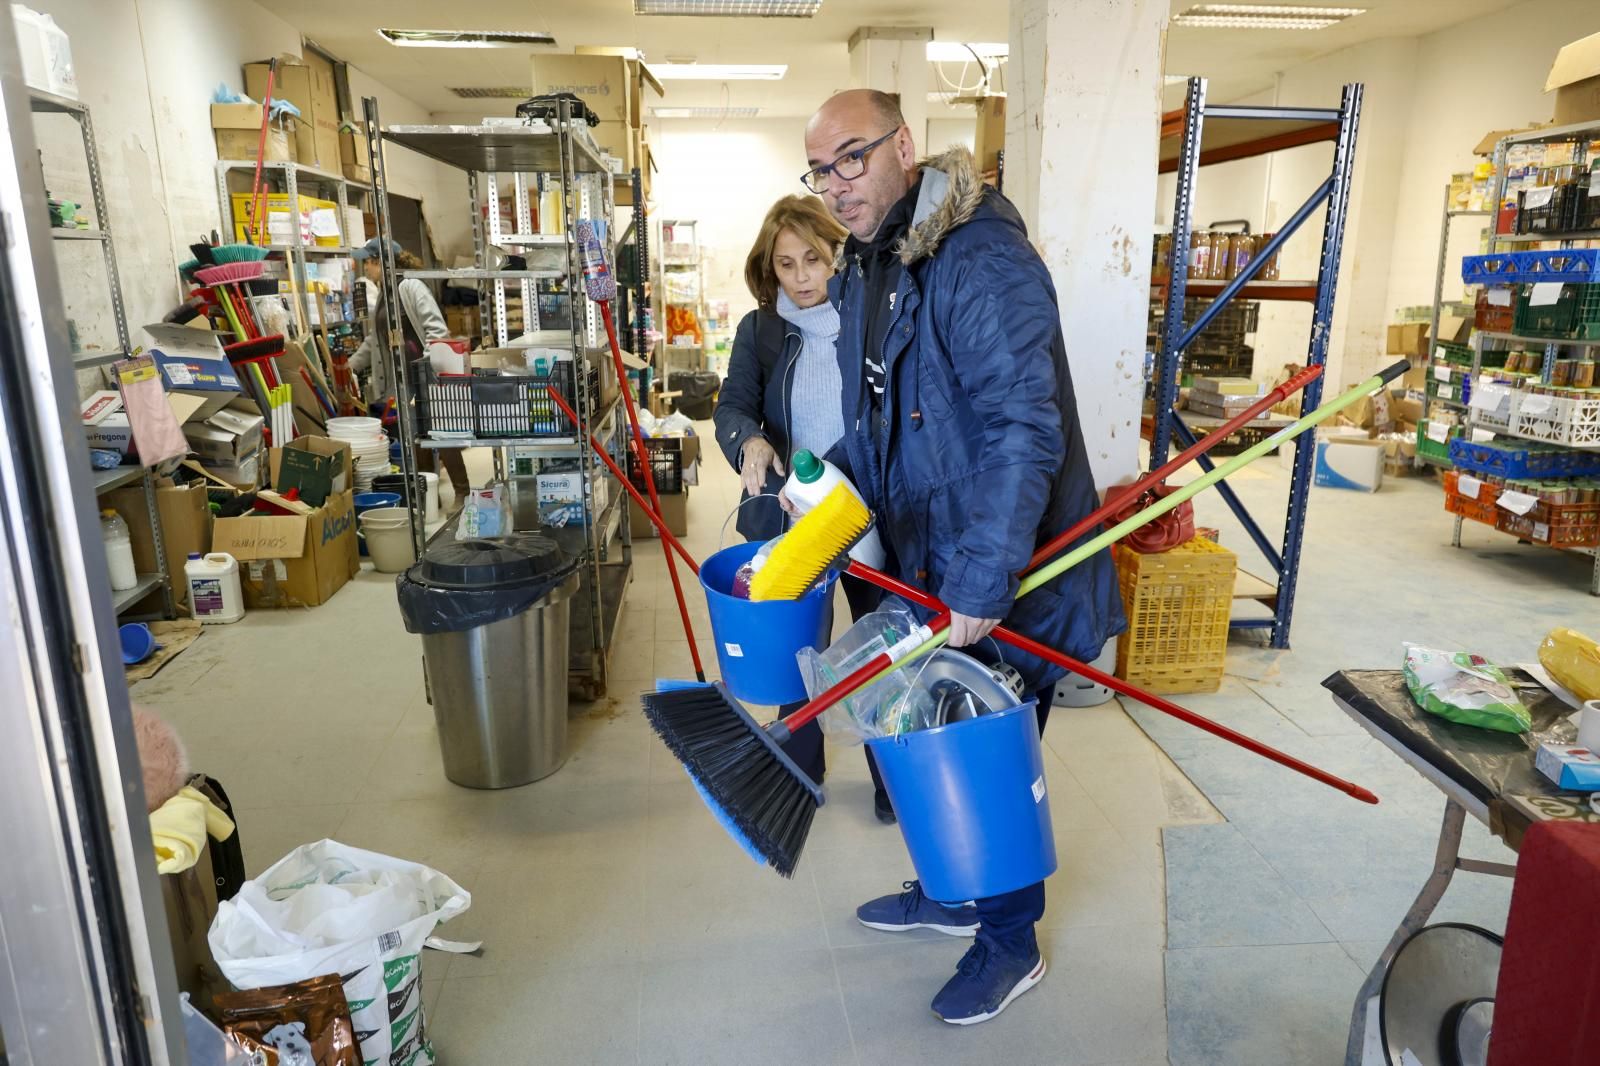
(178, 828)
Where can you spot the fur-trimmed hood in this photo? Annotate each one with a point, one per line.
(950, 196)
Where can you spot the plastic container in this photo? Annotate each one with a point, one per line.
(119, 550)
(214, 593)
(757, 642)
(388, 535)
(972, 803)
(367, 501)
(138, 643)
(1075, 690)
(810, 481)
(1178, 603)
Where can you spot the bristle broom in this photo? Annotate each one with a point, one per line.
(254, 349)
(238, 253)
(826, 532)
(756, 791)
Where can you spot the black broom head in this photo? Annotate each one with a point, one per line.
(760, 796)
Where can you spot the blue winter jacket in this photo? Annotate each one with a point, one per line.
(977, 457)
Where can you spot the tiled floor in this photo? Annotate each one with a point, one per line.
(619, 923)
(621, 926)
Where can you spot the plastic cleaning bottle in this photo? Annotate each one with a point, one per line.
(742, 576)
(810, 480)
(214, 593)
(119, 550)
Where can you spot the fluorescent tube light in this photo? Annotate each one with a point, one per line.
(465, 38)
(719, 71)
(1264, 16)
(794, 9)
(704, 112)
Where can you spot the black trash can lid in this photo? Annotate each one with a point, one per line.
(518, 559)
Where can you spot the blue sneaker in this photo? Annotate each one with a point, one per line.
(912, 910)
(986, 981)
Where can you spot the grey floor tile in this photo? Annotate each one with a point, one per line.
(1221, 892)
(268, 834)
(848, 878)
(1111, 981)
(1259, 1006)
(583, 1014)
(742, 1010)
(1104, 878)
(451, 834)
(727, 906)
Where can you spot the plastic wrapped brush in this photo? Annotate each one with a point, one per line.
(598, 280)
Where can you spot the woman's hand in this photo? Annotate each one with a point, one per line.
(755, 458)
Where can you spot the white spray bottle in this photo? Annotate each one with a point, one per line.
(811, 479)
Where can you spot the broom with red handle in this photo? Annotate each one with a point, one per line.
(261, 154)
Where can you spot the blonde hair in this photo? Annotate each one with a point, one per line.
(810, 221)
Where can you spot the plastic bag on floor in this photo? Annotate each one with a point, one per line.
(330, 908)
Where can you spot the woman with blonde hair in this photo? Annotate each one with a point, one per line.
(782, 392)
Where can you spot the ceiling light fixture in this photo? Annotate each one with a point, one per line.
(959, 52)
(719, 71)
(465, 38)
(770, 9)
(1264, 16)
(704, 112)
(491, 92)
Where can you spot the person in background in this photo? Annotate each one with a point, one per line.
(421, 324)
(781, 395)
(962, 434)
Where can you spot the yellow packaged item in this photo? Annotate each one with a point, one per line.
(1573, 660)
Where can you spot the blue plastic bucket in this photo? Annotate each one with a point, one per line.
(138, 643)
(972, 804)
(757, 642)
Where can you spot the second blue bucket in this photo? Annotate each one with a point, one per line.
(757, 642)
(972, 804)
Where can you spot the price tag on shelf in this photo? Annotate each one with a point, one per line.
(1500, 297)
(1439, 352)
(1537, 404)
(1538, 196)
(1441, 373)
(1438, 432)
(1544, 293)
(1518, 503)
(1468, 486)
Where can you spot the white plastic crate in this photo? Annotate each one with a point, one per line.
(1491, 404)
(1567, 420)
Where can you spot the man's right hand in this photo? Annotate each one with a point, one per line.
(755, 458)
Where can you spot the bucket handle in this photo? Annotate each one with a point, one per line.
(722, 538)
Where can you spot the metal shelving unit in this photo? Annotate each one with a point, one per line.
(106, 480)
(1447, 216)
(1582, 135)
(560, 152)
(1218, 134)
(666, 265)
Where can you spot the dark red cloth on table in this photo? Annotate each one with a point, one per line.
(1547, 1002)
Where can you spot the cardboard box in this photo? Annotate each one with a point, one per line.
(639, 77)
(185, 526)
(318, 220)
(560, 498)
(237, 129)
(343, 469)
(618, 139)
(601, 81)
(192, 363)
(1453, 329)
(990, 138)
(294, 561)
(1349, 462)
(1485, 147)
(1408, 338)
(225, 439)
(674, 509)
(112, 433)
(1575, 79)
(353, 157)
(307, 83)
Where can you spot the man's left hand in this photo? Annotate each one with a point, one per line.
(965, 630)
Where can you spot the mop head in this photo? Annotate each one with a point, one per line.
(815, 543)
(764, 801)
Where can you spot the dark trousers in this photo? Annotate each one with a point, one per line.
(805, 747)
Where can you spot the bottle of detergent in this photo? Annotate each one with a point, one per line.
(810, 480)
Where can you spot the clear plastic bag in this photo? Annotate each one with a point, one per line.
(486, 513)
(858, 717)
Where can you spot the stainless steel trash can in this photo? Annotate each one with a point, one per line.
(494, 617)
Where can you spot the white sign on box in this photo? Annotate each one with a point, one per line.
(1488, 397)
(1500, 297)
(1438, 432)
(1468, 486)
(1539, 196)
(1537, 404)
(1544, 293)
(1441, 373)
(1518, 503)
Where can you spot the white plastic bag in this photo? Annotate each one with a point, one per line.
(486, 513)
(330, 908)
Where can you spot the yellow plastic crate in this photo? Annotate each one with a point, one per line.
(1178, 604)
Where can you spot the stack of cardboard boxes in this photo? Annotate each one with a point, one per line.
(318, 138)
(613, 82)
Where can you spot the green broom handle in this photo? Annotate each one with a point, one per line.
(1167, 503)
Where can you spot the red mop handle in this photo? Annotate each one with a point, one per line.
(638, 497)
(261, 151)
(1116, 684)
(643, 454)
(1178, 462)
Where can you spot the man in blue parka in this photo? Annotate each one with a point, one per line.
(962, 434)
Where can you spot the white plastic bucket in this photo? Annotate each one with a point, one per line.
(431, 494)
(388, 534)
(1075, 690)
(214, 592)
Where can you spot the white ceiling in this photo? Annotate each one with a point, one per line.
(1238, 61)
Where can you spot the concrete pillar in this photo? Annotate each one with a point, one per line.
(894, 59)
(1082, 110)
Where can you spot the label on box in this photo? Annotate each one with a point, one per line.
(179, 374)
(1539, 196)
(1488, 397)
(1441, 373)
(1537, 404)
(1468, 486)
(1544, 293)
(1438, 432)
(1481, 436)
(1439, 353)
(1541, 531)
(259, 568)
(1518, 503)
(1500, 297)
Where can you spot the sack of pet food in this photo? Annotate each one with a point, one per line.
(1464, 688)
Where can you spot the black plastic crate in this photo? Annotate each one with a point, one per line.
(486, 405)
(666, 463)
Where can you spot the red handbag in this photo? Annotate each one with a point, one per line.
(1165, 533)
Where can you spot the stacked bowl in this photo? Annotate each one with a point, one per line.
(368, 446)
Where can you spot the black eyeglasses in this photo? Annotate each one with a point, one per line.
(849, 166)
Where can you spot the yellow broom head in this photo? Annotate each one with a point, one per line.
(825, 532)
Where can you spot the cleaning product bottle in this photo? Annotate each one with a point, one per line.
(742, 576)
(811, 479)
(214, 592)
(119, 550)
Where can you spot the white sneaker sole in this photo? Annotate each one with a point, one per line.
(947, 930)
(1022, 986)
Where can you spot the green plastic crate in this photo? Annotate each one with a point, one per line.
(1429, 448)
(1574, 316)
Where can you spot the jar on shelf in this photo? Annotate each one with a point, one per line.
(1218, 267)
(1199, 255)
(1241, 249)
(1269, 269)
